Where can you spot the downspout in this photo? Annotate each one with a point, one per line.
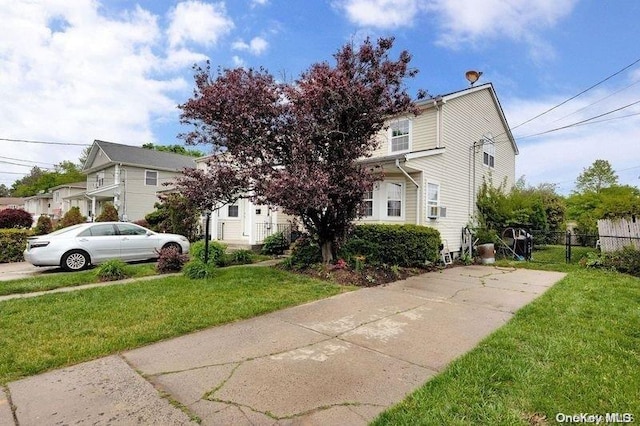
(436, 103)
(404, 172)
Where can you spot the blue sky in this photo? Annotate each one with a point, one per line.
(79, 70)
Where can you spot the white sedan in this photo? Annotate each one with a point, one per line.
(76, 247)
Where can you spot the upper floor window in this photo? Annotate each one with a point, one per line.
(99, 179)
(489, 152)
(400, 135)
(151, 178)
(233, 211)
(394, 199)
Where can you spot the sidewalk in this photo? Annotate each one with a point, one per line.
(341, 360)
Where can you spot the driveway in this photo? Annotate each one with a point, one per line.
(340, 360)
(15, 270)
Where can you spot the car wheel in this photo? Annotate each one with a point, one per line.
(175, 246)
(75, 260)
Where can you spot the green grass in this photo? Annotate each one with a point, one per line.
(576, 349)
(55, 330)
(53, 280)
(551, 258)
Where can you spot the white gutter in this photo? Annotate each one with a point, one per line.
(404, 172)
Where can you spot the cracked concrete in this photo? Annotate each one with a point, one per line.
(341, 360)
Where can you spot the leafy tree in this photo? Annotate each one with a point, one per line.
(15, 218)
(596, 177)
(175, 214)
(44, 225)
(297, 145)
(4, 191)
(72, 217)
(108, 214)
(40, 180)
(176, 149)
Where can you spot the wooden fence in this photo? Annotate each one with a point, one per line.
(618, 233)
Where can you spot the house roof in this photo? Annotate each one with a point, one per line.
(11, 201)
(78, 185)
(440, 99)
(136, 156)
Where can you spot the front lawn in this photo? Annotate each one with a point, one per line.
(55, 330)
(576, 349)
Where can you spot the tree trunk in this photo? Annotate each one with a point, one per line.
(327, 252)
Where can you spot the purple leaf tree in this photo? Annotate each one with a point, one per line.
(297, 145)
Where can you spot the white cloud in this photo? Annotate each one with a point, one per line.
(255, 3)
(198, 22)
(70, 74)
(386, 14)
(467, 22)
(256, 46)
(238, 61)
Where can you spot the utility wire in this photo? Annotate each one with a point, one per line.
(26, 161)
(44, 142)
(575, 96)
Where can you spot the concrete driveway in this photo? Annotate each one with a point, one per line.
(16, 270)
(341, 360)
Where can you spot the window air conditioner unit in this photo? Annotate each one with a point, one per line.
(436, 211)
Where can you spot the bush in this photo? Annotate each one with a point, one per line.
(626, 261)
(108, 214)
(15, 218)
(216, 252)
(275, 244)
(112, 270)
(12, 244)
(240, 257)
(44, 225)
(304, 252)
(402, 245)
(170, 260)
(196, 269)
(72, 217)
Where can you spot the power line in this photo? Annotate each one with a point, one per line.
(575, 96)
(26, 161)
(580, 122)
(44, 142)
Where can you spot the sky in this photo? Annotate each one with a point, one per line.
(72, 71)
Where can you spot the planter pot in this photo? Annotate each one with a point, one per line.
(487, 253)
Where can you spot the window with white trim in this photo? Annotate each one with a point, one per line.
(233, 211)
(394, 199)
(367, 204)
(99, 179)
(151, 178)
(400, 135)
(489, 153)
(433, 200)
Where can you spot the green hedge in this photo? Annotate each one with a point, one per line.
(12, 244)
(401, 245)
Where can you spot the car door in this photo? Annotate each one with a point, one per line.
(136, 242)
(101, 241)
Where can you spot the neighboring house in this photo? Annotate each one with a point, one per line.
(129, 177)
(433, 164)
(11, 203)
(65, 196)
(39, 204)
(245, 224)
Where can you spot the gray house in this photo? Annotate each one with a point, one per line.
(129, 177)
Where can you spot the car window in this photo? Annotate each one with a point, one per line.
(98, 231)
(126, 229)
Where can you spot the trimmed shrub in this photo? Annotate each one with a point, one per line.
(108, 214)
(304, 252)
(113, 270)
(240, 257)
(44, 225)
(275, 244)
(170, 260)
(72, 217)
(402, 245)
(12, 244)
(15, 218)
(196, 269)
(216, 252)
